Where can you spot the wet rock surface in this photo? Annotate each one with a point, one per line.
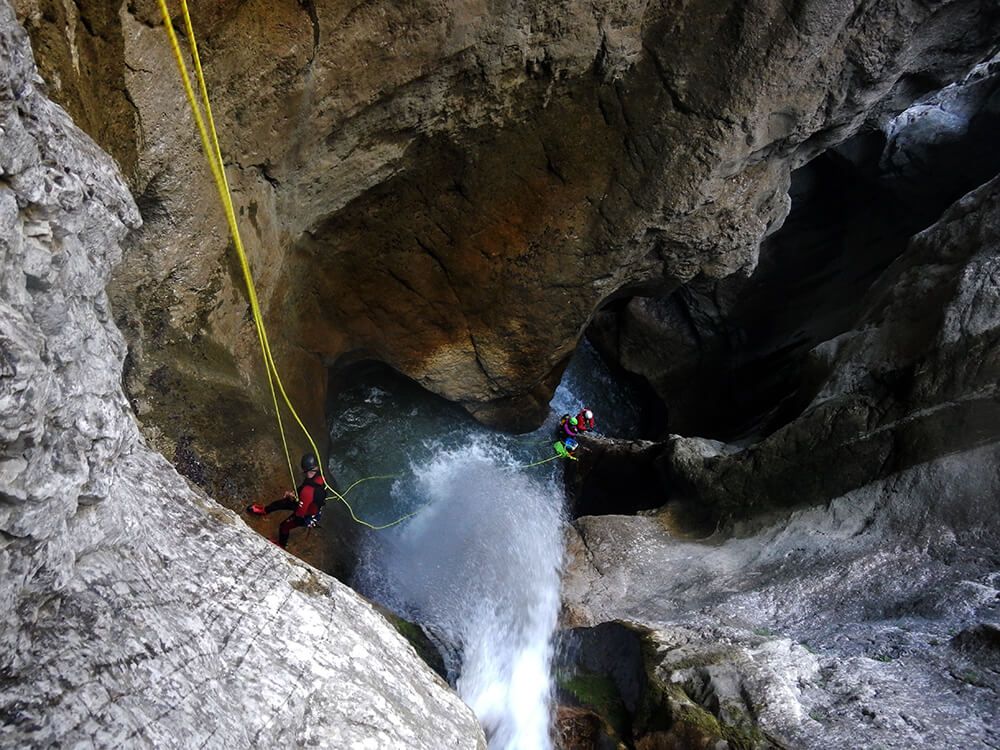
(850, 596)
(455, 190)
(136, 611)
(839, 626)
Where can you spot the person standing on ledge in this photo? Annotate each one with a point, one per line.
(308, 508)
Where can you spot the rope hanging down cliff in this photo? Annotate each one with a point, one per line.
(213, 153)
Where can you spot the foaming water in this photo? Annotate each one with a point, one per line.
(479, 567)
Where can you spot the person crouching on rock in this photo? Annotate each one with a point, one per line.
(568, 425)
(566, 448)
(307, 509)
(585, 420)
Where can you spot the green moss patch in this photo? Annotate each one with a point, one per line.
(600, 694)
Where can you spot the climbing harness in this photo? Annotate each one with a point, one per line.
(213, 154)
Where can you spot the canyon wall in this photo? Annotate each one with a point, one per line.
(136, 611)
(460, 191)
(455, 190)
(831, 584)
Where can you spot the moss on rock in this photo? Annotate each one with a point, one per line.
(412, 632)
(600, 694)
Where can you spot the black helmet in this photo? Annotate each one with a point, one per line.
(309, 462)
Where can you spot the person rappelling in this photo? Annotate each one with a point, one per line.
(312, 493)
(307, 509)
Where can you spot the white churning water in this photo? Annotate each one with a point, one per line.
(479, 566)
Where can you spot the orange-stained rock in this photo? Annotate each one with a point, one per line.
(453, 188)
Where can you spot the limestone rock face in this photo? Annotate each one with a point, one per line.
(455, 189)
(136, 611)
(731, 358)
(859, 540)
(917, 379)
(831, 628)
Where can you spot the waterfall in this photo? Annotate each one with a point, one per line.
(479, 567)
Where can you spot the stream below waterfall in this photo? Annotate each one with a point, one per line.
(478, 565)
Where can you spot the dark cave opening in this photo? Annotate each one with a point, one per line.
(615, 477)
(601, 685)
(843, 231)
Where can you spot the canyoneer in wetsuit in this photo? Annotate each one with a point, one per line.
(308, 508)
(568, 425)
(585, 421)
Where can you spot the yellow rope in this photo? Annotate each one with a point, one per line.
(213, 153)
(537, 463)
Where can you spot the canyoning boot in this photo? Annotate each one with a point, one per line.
(256, 509)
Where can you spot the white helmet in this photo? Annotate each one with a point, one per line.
(588, 414)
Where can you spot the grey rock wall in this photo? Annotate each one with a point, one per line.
(730, 358)
(135, 611)
(848, 600)
(839, 626)
(456, 188)
(916, 378)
